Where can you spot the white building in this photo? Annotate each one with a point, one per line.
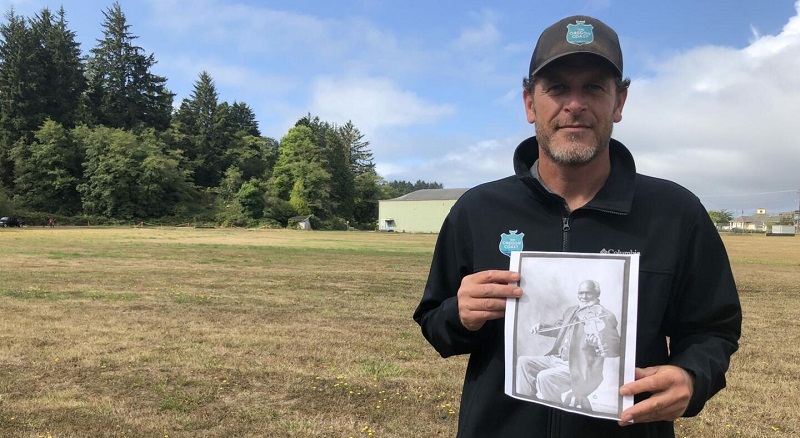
(422, 211)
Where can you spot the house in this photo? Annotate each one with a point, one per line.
(760, 221)
(422, 211)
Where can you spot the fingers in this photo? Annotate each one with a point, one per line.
(482, 296)
(492, 277)
(671, 389)
(656, 379)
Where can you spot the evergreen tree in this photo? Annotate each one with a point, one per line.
(123, 93)
(365, 202)
(243, 120)
(253, 156)
(63, 80)
(342, 182)
(202, 124)
(396, 189)
(41, 77)
(329, 141)
(18, 80)
(360, 157)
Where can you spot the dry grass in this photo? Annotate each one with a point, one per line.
(220, 333)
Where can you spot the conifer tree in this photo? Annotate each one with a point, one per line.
(123, 92)
(243, 119)
(200, 122)
(41, 77)
(62, 80)
(17, 89)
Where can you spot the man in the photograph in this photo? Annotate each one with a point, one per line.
(584, 337)
(575, 189)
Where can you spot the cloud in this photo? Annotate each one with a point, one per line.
(720, 120)
(483, 35)
(372, 104)
(464, 166)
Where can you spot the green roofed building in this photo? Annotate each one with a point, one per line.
(422, 211)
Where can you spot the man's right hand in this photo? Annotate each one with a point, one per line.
(482, 296)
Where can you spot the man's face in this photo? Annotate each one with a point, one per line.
(587, 295)
(574, 106)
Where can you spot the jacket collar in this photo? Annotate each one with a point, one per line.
(615, 196)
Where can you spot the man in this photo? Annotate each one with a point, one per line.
(575, 189)
(584, 337)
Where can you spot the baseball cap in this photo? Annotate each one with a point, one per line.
(577, 34)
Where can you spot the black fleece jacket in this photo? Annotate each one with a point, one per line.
(689, 313)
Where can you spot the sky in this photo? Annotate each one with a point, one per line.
(435, 86)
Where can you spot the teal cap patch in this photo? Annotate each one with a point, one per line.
(580, 33)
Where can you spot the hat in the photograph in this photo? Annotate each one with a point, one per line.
(577, 34)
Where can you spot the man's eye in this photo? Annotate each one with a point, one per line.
(557, 88)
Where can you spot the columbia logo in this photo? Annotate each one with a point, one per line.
(618, 251)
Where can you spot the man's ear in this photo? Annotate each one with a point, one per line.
(621, 98)
(528, 99)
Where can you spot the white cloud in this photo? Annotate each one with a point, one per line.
(372, 104)
(721, 121)
(462, 167)
(481, 36)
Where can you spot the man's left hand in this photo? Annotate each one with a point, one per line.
(671, 388)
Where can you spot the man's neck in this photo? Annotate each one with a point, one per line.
(577, 185)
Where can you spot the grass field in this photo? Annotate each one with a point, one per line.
(237, 333)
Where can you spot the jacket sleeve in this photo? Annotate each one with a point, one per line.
(437, 312)
(705, 313)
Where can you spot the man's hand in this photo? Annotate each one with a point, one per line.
(671, 387)
(482, 297)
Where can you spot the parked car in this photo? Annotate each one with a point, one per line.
(10, 221)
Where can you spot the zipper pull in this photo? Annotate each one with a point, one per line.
(566, 224)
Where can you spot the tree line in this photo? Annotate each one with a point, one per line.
(97, 138)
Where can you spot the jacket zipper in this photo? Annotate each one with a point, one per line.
(565, 226)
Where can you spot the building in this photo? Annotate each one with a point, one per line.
(760, 221)
(422, 211)
(301, 222)
(782, 230)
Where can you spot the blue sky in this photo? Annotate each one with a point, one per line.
(435, 85)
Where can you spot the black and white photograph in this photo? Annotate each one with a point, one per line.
(575, 346)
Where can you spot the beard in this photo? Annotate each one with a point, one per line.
(572, 150)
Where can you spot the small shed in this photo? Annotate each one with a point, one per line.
(422, 211)
(782, 230)
(302, 222)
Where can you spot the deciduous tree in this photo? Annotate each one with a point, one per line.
(49, 170)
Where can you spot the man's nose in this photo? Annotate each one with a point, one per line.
(576, 102)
